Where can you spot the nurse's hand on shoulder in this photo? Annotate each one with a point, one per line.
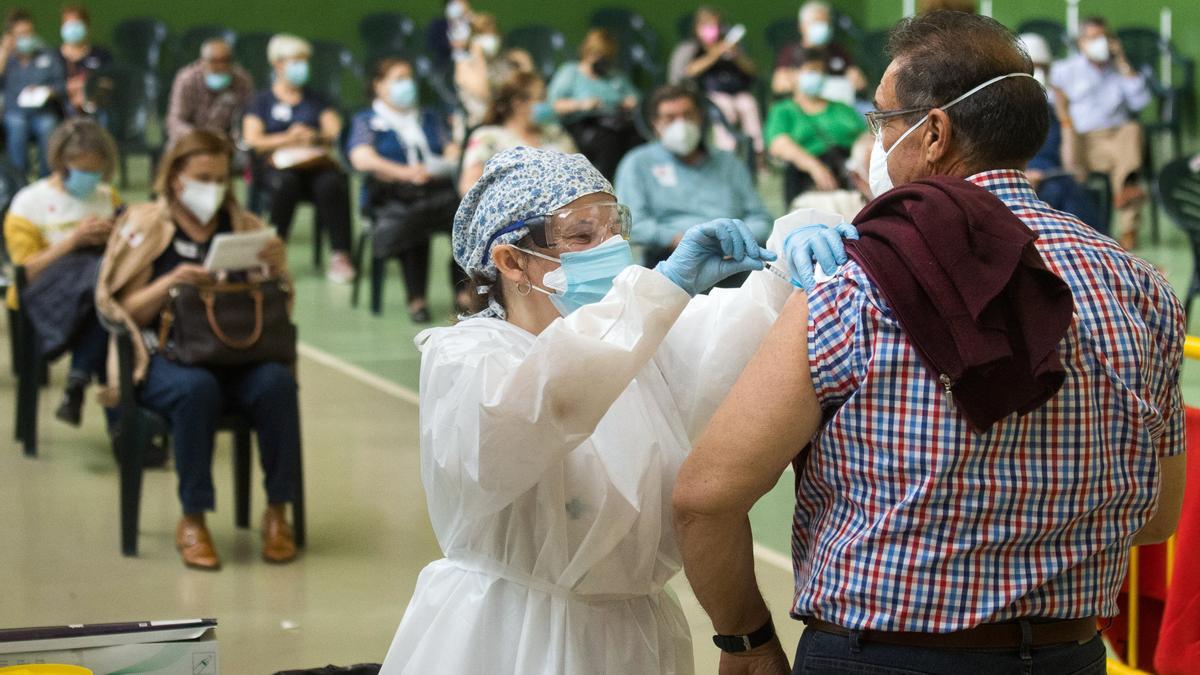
(806, 246)
(711, 252)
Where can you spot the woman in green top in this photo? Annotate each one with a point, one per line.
(812, 135)
(595, 102)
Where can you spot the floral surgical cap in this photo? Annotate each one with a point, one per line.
(517, 184)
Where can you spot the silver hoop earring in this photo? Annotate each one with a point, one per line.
(528, 288)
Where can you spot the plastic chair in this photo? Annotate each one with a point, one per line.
(127, 95)
(139, 425)
(11, 181)
(383, 32)
(547, 46)
(250, 52)
(637, 44)
(781, 33)
(138, 42)
(871, 55)
(332, 68)
(1179, 192)
(30, 369)
(1053, 32)
(187, 47)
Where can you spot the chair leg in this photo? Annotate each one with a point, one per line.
(14, 347)
(359, 249)
(299, 528)
(130, 449)
(378, 272)
(318, 243)
(29, 375)
(241, 475)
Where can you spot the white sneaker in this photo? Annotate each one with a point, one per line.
(340, 269)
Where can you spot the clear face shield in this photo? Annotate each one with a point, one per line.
(579, 229)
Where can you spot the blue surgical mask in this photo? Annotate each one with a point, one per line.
(584, 277)
(217, 81)
(402, 93)
(543, 113)
(82, 184)
(296, 72)
(28, 44)
(811, 82)
(818, 33)
(73, 32)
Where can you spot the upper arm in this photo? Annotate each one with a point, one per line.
(769, 416)
(560, 83)
(253, 127)
(22, 238)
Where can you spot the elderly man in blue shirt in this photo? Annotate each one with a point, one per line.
(676, 181)
(34, 81)
(1105, 94)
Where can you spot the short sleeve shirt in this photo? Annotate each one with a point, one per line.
(838, 125)
(277, 116)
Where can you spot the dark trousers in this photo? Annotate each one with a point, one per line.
(406, 216)
(193, 398)
(414, 266)
(604, 141)
(329, 191)
(827, 654)
(1066, 194)
(89, 351)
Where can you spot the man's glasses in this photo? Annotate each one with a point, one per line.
(876, 119)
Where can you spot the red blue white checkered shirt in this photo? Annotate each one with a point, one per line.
(907, 521)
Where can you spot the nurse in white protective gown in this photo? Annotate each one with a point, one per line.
(554, 420)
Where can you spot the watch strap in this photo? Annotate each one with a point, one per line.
(744, 643)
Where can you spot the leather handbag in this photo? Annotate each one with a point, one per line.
(228, 324)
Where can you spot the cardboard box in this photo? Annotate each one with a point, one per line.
(149, 648)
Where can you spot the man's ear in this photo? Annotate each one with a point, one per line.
(939, 137)
(509, 262)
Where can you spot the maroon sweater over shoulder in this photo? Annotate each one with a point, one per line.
(970, 291)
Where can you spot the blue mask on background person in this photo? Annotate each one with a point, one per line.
(217, 81)
(82, 184)
(28, 44)
(811, 82)
(403, 93)
(543, 113)
(296, 72)
(584, 277)
(73, 32)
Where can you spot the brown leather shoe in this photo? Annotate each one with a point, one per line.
(279, 546)
(195, 545)
(1130, 196)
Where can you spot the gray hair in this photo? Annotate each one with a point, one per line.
(285, 46)
(812, 7)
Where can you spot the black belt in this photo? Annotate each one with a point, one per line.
(984, 636)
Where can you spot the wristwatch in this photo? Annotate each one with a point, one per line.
(743, 643)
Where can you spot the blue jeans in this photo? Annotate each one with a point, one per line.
(193, 398)
(827, 654)
(19, 126)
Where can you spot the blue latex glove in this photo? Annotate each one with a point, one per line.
(711, 252)
(811, 244)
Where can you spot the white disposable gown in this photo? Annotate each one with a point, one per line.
(548, 463)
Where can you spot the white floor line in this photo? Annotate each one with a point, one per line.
(767, 555)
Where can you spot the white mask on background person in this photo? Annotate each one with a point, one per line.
(681, 137)
(488, 43)
(455, 10)
(1039, 74)
(818, 33)
(1097, 49)
(878, 176)
(201, 198)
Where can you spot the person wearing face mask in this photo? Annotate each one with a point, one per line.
(1104, 95)
(552, 420)
(676, 181)
(80, 56)
(292, 130)
(724, 73)
(405, 156)
(595, 102)
(518, 115)
(481, 69)
(813, 136)
(55, 227)
(35, 91)
(162, 244)
(816, 32)
(1052, 171)
(209, 93)
(987, 397)
(447, 36)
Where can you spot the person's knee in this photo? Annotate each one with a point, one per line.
(15, 125)
(273, 382)
(199, 391)
(43, 125)
(331, 185)
(288, 182)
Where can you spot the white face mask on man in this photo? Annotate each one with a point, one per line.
(201, 198)
(878, 177)
(681, 137)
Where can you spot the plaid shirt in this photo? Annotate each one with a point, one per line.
(907, 521)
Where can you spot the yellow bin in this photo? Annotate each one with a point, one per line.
(45, 669)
